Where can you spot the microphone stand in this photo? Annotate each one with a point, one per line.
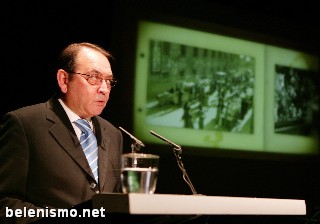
(136, 145)
(177, 152)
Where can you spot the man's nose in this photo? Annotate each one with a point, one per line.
(103, 87)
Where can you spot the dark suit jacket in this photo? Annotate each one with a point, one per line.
(42, 162)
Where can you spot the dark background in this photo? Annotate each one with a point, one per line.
(32, 35)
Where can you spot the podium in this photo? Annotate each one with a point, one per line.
(168, 204)
(135, 208)
(172, 208)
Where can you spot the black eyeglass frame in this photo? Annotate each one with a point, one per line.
(98, 81)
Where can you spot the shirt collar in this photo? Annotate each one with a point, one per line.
(72, 115)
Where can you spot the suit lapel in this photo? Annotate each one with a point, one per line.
(103, 138)
(62, 131)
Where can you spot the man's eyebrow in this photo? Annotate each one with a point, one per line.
(96, 72)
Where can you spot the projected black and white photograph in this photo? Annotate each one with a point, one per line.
(296, 100)
(198, 88)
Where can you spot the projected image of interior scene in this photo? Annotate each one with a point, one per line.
(197, 88)
(296, 101)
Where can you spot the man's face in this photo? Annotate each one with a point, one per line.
(85, 99)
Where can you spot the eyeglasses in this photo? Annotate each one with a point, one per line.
(96, 79)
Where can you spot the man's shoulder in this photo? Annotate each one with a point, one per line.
(105, 123)
(34, 108)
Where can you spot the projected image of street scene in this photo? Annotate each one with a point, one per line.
(296, 101)
(197, 88)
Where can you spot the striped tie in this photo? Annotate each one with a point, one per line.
(88, 142)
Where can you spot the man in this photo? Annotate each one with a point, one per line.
(42, 163)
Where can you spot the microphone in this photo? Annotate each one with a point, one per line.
(177, 152)
(137, 144)
(177, 147)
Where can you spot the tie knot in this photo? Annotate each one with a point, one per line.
(83, 125)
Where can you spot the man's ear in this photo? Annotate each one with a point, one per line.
(63, 79)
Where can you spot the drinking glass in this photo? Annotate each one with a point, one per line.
(139, 172)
